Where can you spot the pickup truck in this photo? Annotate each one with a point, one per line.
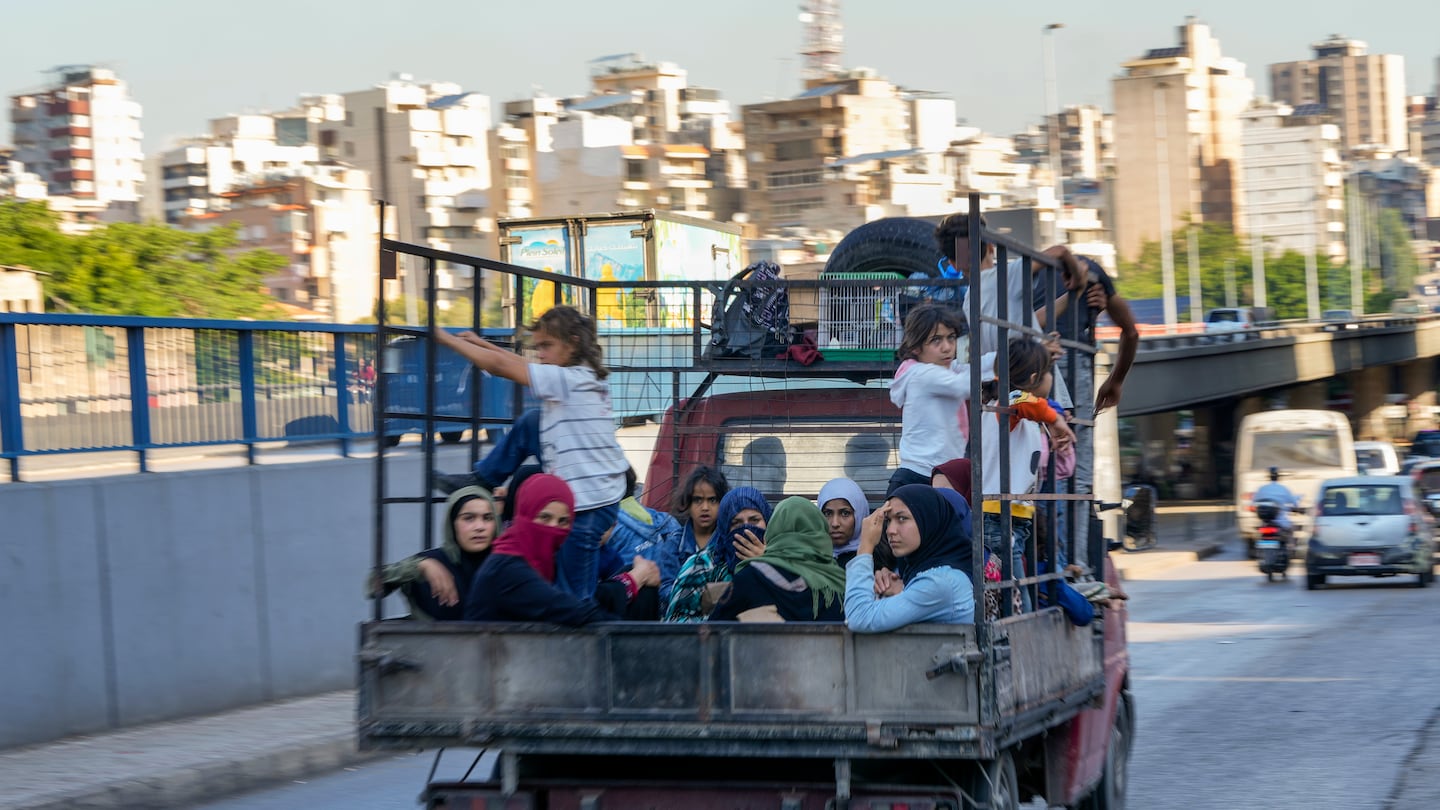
(800, 716)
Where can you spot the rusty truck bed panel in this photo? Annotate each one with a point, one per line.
(726, 689)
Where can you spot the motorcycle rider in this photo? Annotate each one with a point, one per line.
(1280, 494)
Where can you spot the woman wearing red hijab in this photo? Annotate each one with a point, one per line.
(517, 582)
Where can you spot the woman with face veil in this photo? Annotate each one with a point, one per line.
(796, 576)
(517, 582)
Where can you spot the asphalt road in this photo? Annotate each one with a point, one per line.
(1249, 695)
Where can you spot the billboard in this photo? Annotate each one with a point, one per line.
(541, 248)
(687, 252)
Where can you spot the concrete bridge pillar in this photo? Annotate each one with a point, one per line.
(1308, 396)
(1369, 387)
(1418, 379)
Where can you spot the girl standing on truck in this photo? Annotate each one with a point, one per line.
(739, 535)
(932, 542)
(1030, 380)
(516, 582)
(928, 389)
(436, 582)
(796, 579)
(573, 432)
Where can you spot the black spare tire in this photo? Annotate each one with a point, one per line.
(894, 244)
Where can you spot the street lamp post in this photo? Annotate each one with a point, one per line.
(1167, 250)
(1052, 134)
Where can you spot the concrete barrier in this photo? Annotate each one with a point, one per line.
(150, 597)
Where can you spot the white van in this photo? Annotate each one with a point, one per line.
(1308, 447)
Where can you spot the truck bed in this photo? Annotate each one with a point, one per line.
(802, 690)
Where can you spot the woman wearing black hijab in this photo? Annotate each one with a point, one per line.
(933, 550)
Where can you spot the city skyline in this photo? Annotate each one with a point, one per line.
(750, 55)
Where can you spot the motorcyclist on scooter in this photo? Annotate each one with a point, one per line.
(1280, 494)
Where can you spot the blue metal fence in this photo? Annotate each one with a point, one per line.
(82, 383)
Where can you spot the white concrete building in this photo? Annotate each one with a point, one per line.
(20, 290)
(17, 183)
(322, 219)
(1177, 139)
(426, 149)
(1364, 91)
(238, 150)
(1292, 180)
(81, 133)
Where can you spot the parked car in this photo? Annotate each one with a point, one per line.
(1370, 526)
(1377, 458)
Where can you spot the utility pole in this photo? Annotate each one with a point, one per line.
(1312, 273)
(1052, 127)
(1192, 241)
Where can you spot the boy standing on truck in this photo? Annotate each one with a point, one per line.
(572, 433)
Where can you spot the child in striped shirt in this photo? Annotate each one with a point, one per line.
(572, 433)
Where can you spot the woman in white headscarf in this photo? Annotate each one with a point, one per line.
(844, 505)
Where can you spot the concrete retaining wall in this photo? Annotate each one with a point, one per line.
(147, 597)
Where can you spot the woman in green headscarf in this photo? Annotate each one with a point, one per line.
(796, 579)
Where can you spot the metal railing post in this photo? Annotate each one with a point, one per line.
(139, 393)
(342, 393)
(249, 428)
(12, 434)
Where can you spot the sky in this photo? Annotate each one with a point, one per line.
(188, 62)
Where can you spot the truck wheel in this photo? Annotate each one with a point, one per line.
(392, 440)
(996, 786)
(895, 244)
(1110, 793)
(452, 436)
(1313, 581)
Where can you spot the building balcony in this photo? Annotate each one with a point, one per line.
(432, 158)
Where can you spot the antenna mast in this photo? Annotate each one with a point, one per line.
(824, 39)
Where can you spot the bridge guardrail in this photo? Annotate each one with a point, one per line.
(86, 383)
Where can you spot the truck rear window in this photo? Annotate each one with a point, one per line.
(785, 458)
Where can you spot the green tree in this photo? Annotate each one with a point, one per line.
(1220, 248)
(149, 269)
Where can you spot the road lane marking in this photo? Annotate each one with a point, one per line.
(1240, 679)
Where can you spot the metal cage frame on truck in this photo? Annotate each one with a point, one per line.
(973, 701)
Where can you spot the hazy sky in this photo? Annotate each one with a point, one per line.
(189, 61)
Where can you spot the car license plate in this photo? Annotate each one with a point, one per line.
(1267, 543)
(1364, 560)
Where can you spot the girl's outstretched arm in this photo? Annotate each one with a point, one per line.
(486, 356)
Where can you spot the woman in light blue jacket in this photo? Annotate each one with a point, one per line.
(933, 549)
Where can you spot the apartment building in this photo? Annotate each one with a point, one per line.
(322, 219)
(1085, 141)
(594, 164)
(1292, 178)
(426, 149)
(789, 142)
(81, 134)
(238, 150)
(1365, 92)
(1177, 138)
